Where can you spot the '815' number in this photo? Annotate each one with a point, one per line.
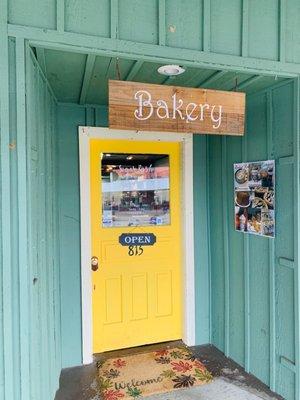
(135, 251)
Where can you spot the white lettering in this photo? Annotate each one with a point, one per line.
(162, 105)
(202, 108)
(147, 239)
(138, 113)
(218, 118)
(127, 239)
(176, 107)
(189, 114)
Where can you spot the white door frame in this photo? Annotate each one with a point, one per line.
(188, 296)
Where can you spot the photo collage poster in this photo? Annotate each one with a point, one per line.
(254, 197)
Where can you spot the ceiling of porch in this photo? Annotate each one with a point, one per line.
(83, 79)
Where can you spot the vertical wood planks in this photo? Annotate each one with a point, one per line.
(22, 219)
(162, 22)
(60, 15)
(6, 312)
(296, 137)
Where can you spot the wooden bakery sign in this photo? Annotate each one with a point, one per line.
(147, 107)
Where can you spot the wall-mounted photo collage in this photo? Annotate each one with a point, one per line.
(254, 197)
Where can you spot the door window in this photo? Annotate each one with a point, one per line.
(135, 189)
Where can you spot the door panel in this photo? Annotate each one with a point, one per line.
(137, 293)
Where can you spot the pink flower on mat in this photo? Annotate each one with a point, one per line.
(181, 366)
(119, 363)
(112, 394)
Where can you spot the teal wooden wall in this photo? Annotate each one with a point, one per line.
(248, 28)
(69, 117)
(256, 36)
(254, 289)
(30, 306)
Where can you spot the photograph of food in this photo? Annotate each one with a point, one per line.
(254, 197)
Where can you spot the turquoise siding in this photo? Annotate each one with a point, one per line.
(248, 28)
(30, 309)
(254, 280)
(69, 117)
(247, 289)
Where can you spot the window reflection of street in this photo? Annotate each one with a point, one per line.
(135, 189)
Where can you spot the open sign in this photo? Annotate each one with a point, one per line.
(137, 239)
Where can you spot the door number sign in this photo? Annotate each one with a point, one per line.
(136, 241)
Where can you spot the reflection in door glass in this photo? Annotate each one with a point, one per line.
(135, 189)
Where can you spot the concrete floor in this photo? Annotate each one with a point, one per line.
(231, 382)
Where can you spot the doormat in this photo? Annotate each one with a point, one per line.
(149, 373)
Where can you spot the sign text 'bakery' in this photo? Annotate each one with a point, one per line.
(139, 106)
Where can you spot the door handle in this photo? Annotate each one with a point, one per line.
(94, 263)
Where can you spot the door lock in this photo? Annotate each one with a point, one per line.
(94, 263)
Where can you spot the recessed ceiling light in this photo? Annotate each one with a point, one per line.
(129, 157)
(171, 70)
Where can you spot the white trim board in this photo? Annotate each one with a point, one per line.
(188, 273)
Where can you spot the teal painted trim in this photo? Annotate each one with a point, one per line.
(288, 364)
(286, 160)
(114, 18)
(209, 247)
(162, 22)
(285, 262)
(60, 15)
(90, 116)
(282, 30)
(41, 72)
(201, 241)
(272, 368)
(89, 68)
(6, 259)
(22, 220)
(226, 245)
(245, 28)
(243, 85)
(75, 42)
(206, 25)
(212, 78)
(246, 274)
(134, 70)
(42, 260)
(296, 229)
(40, 54)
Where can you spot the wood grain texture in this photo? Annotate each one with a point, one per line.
(189, 116)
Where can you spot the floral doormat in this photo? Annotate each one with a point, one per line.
(145, 374)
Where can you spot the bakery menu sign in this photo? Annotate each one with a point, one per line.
(254, 197)
(164, 108)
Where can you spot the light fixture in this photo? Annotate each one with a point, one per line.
(129, 157)
(108, 155)
(171, 70)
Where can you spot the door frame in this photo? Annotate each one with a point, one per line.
(187, 221)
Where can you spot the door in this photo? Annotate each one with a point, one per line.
(135, 220)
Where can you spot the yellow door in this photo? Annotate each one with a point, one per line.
(137, 292)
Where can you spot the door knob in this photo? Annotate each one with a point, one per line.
(94, 263)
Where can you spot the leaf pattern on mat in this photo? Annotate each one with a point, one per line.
(203, 375)
(169, 373)
(112, 373)
(183, 381)
(163, 360)
(104, 384)
(134, 392)
(112, 394)
(176, 354)
(181, 366)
